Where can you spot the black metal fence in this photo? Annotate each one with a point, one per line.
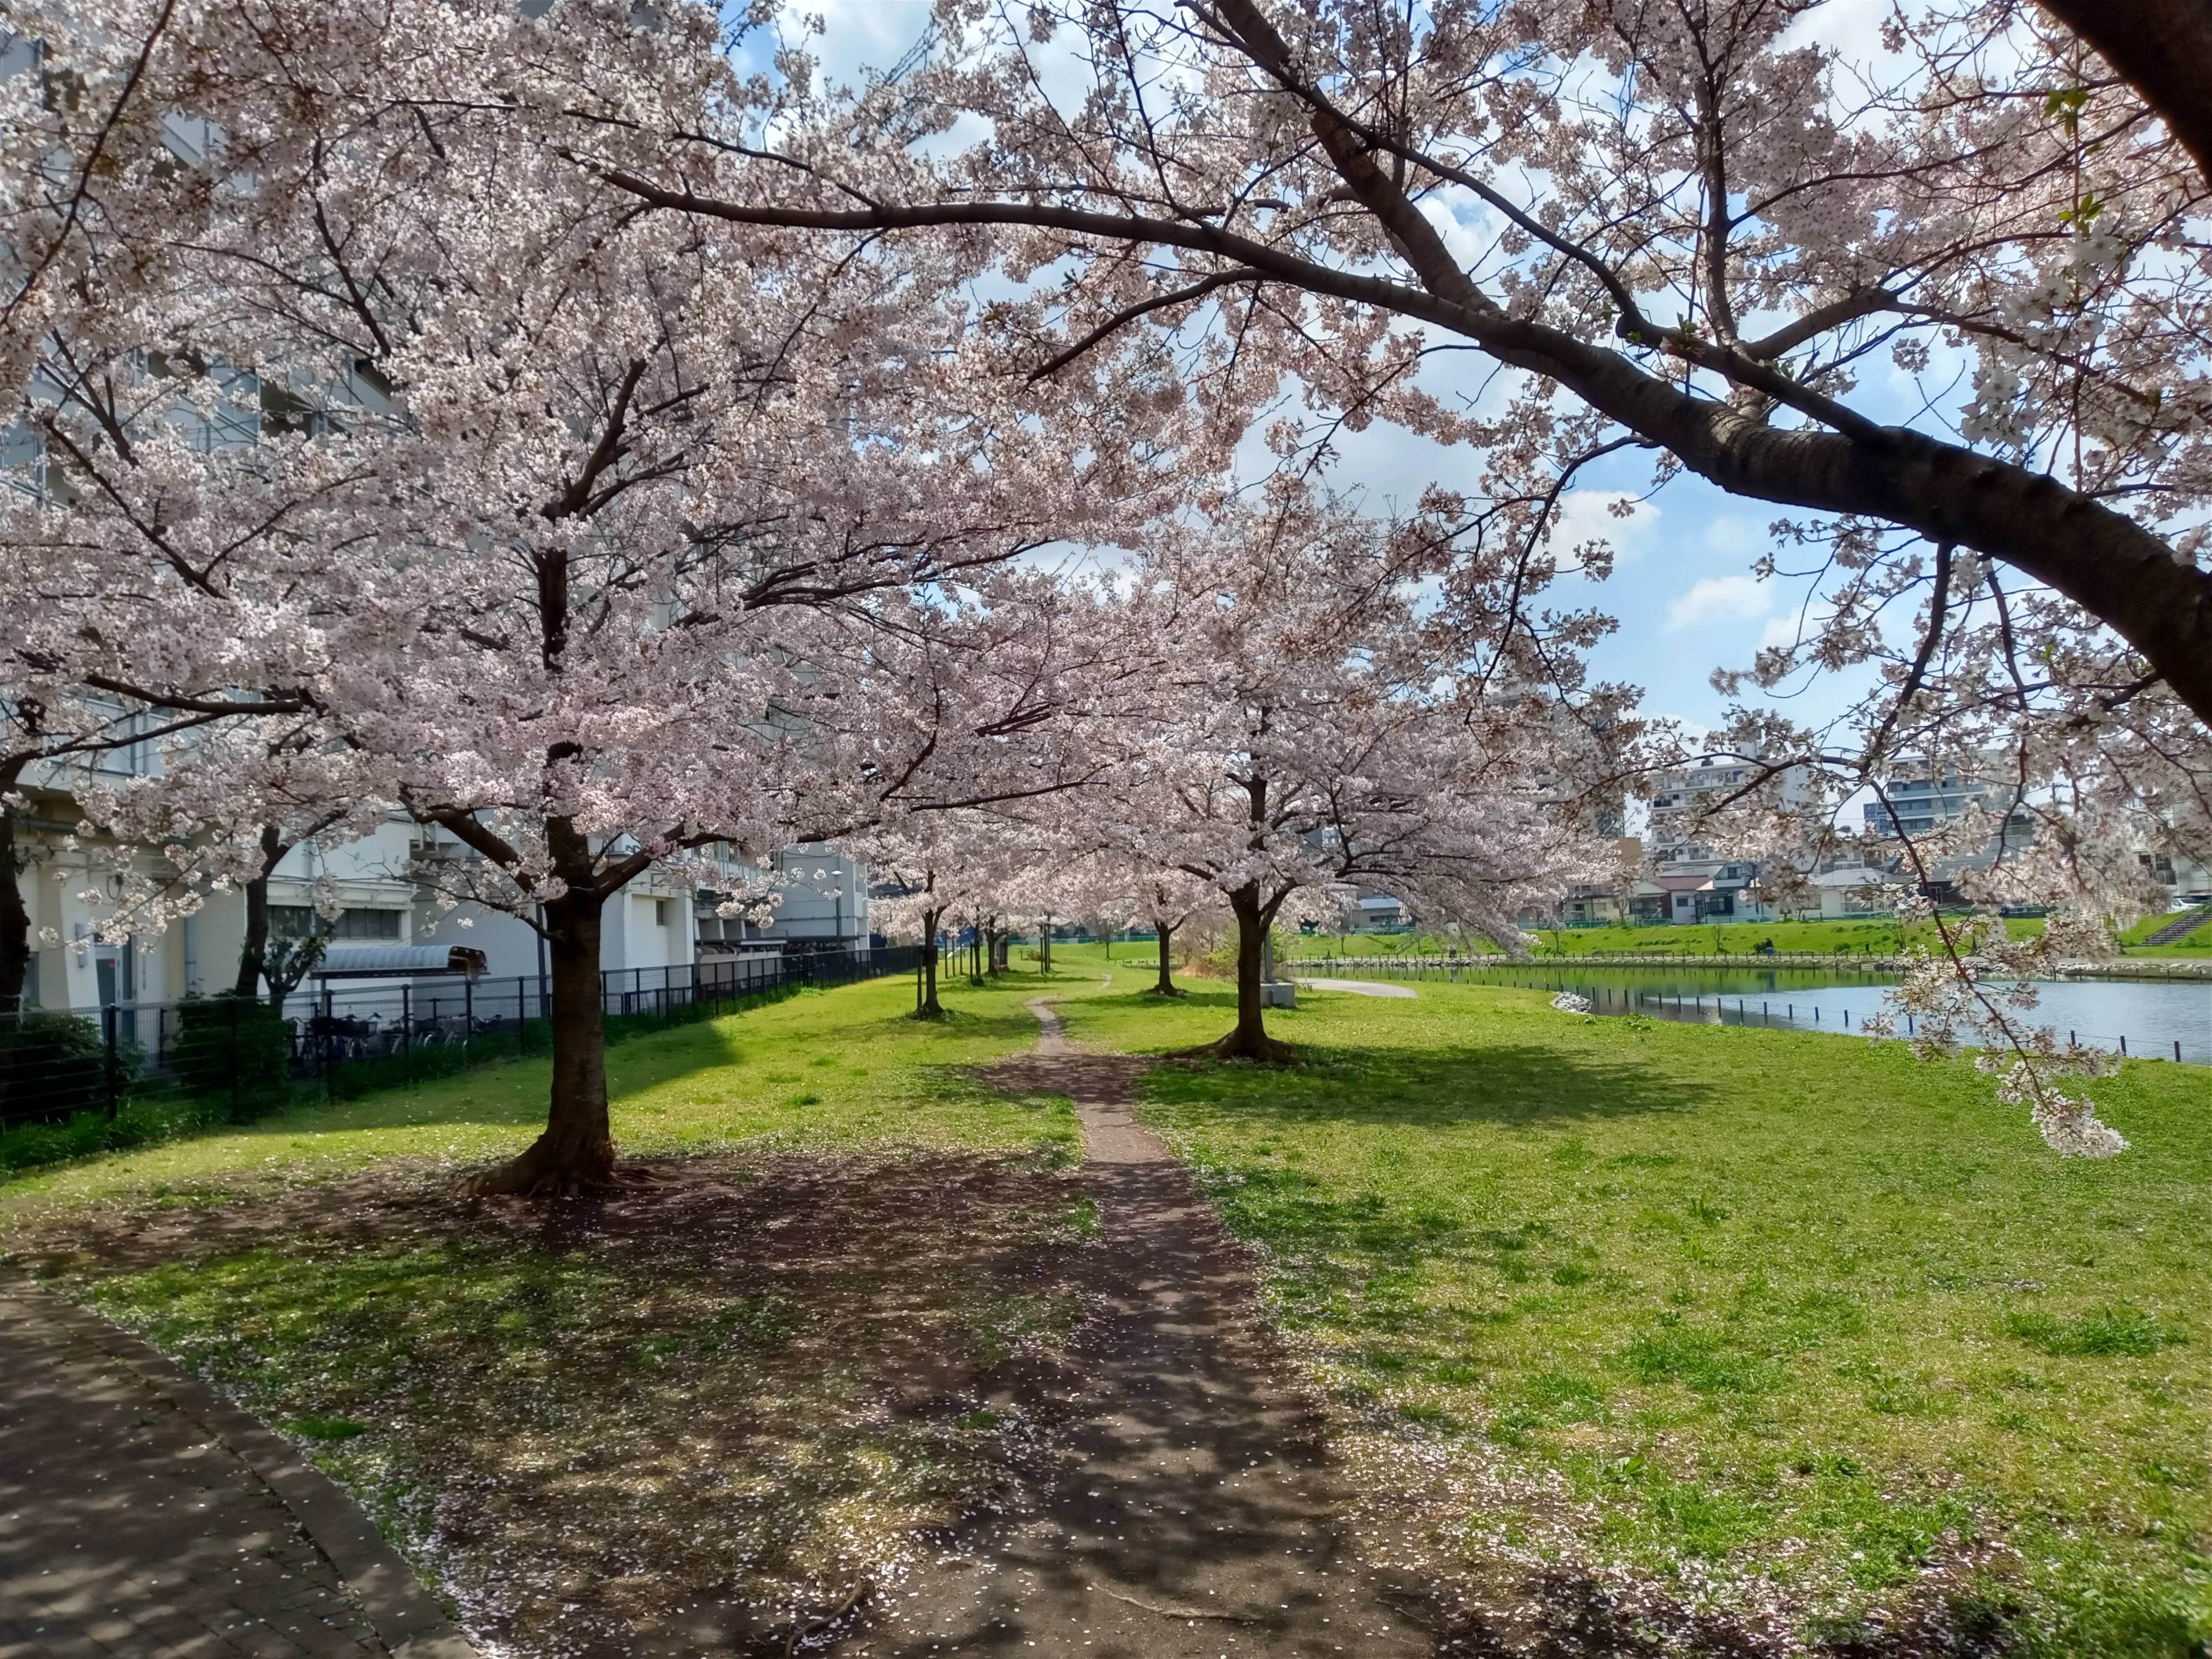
(343, 1037)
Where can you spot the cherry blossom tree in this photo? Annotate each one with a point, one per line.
(51, 730)
(1165, 901)
(596, 541)
(1123, 891)
(1690, 231)
(1686, 231)
(1694, 225)
(1313, 729)
(936, 868)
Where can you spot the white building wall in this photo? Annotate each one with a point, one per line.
(648, 925)
(371, 873)
(823, 900)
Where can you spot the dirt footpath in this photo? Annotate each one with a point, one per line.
(1198, 1514)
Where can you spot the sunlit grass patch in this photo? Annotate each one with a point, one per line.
(873, 1076)
(1775, 1318)
(2106, 1331)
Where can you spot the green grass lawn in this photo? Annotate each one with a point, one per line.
(822, 1069)
(1766, 1318)
(1734, 1305)
(820, 1341)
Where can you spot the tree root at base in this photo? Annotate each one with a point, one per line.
(1167, 1612)
(536, 1173)
(1264, 1051)
(805, 1630)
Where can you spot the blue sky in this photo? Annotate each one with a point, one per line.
(1682, 588)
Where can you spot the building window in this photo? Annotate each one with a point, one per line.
(298, 921)
(664, 912)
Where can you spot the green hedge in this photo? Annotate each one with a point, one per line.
(234, 1048)
(52, 1066)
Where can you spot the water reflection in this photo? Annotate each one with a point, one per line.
(2151, 1016)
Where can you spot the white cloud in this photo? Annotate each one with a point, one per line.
(1587, 515)
(1778, 632)
(863, 33)
(1466, 223)
(1732, 534)
(1719, 599)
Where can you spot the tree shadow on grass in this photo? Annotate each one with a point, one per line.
(662, 1422)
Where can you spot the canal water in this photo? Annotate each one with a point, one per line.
(2151, 1015)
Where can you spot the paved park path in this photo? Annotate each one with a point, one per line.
(1200, 1515)
(143, 1518)
(1365, 987)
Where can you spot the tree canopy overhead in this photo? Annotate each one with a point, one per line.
(1709, 235)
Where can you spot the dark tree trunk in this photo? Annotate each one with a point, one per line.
(253, 950)
(931, 1007)
(577, 1151)
(1166, 988)
(1249, 1041)
(15, 917)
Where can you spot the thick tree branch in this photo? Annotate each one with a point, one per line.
(2122, 573)
(2163, 48)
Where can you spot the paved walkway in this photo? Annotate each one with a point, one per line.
(1365, 988)
(1199, 1517)
(143, 1518)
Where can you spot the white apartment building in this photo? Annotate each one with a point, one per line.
(822, 904)
(1682, 795)
(1917, 800)
(389, 920)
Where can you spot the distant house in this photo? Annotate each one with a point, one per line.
(1855, 891)
(1378, 911)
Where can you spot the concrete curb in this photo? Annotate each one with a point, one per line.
(406, 1617)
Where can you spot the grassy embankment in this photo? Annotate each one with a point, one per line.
(1872, 936)
(1736, 1305)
